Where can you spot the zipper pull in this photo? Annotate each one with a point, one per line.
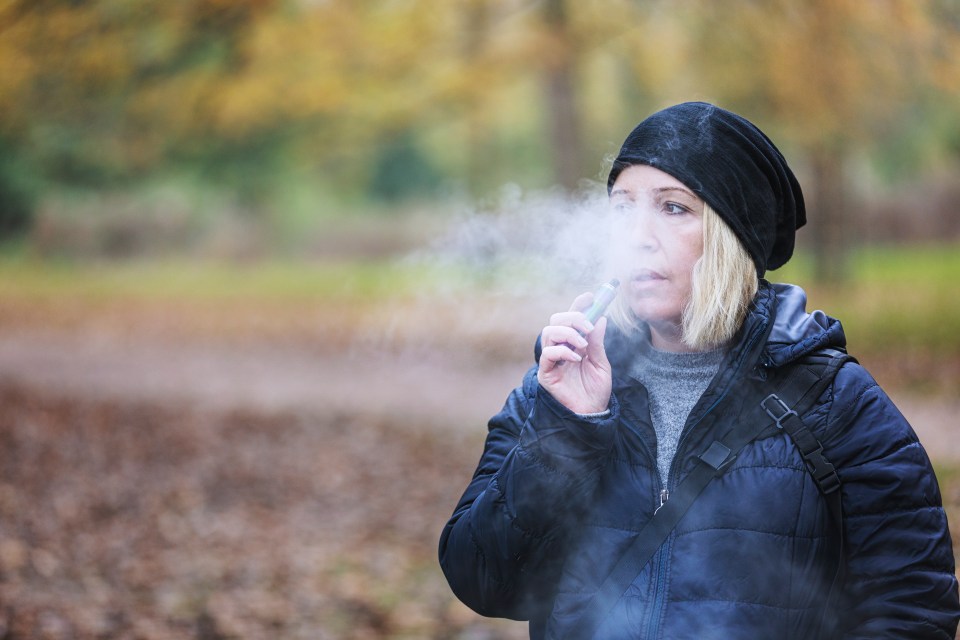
(664, 496)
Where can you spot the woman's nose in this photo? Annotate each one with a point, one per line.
(643, 232)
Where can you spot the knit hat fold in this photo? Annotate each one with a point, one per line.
(732, 165)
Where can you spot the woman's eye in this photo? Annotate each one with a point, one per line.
(674, 208)
(624, 208)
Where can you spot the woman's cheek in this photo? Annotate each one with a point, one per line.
(620, 258)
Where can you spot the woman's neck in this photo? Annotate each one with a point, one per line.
(667, 337)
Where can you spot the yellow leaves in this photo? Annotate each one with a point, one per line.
(175, 69)
(16, 73)
(77, 46)
(174, 105)
(825, 68)
(331, 59)
(289, 73)
(934, 33)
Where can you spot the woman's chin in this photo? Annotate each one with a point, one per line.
(654, 311)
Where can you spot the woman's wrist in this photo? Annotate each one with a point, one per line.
(599, 415)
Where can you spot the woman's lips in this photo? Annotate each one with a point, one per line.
(644, 278)
(646, 275)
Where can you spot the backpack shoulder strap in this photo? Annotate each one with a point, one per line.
(802, 385)
(822, 366)
(798, 391)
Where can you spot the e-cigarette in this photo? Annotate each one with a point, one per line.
(602, 298)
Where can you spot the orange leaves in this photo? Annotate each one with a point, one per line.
(140, 81)
(825, 68)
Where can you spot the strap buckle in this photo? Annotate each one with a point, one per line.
(717, 455)
(823, 472)
(777, 409)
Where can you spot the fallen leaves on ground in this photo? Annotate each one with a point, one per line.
(138, 520)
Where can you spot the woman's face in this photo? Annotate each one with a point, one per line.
(659, 238)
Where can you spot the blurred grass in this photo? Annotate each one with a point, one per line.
(899, 308)
(948, 477)
(882, 281)
(204, 280)
(900, 311)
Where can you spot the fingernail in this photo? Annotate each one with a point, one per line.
(589, 326)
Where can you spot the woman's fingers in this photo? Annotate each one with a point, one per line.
(558, 345)
(574, 319)
(562, 335)
(595, 348)
(551, 357)
(568, 330)
(582, 302)
(584, 385)
(570, 336)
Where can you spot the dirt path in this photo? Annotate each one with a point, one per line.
(424, 387)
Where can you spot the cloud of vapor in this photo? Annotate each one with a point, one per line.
(525, 243)
(499, 269)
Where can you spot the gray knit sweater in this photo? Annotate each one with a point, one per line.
(674, 383)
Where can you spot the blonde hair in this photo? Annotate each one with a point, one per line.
(724, 284)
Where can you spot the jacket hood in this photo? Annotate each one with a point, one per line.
(796, 332)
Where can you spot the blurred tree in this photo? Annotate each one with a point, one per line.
(561, 83)
(830, 76)
(104, 91)
(530, 67)
(476, 23)
(16, 196)
(402, 171)
(101, 92)
(341, 78)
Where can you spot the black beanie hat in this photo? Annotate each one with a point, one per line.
(732, 165)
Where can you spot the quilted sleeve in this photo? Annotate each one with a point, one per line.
(501, 549)
(900, 574)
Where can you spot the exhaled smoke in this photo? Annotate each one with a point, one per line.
(529, 243)
(493, 277)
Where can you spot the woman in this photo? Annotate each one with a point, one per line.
(613, 423)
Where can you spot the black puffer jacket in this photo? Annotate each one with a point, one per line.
(556, 498)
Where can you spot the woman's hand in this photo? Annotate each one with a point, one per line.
(573, 368)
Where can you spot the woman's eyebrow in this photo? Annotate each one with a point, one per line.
(678, 189)
(620, 191)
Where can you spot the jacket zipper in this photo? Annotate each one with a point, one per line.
(654, 622)
(663, 556)
(664, 496)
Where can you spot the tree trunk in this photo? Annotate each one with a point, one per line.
(828, 216)
(561, 89)
(479, 157)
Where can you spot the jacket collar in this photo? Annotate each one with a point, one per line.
(747, 346)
